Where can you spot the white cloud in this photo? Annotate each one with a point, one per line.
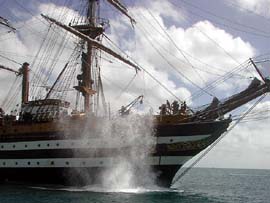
(260, 7)
(166, 9)
(214, 46)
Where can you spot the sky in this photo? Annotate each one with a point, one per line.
(185, 45)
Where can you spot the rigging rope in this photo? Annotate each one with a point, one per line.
(234, 4)
(201, 89)
(171, 65)
(192, 57)
(151, 76)
(175, 45)
(184, 52)
(207, 150)
(4, 103)
(210, 38)
(7, 58)
(255, 31)
(214, 83)
(62, 86)
(127, 86)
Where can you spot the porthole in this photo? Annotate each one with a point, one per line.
(14, 146)
(2, 146)
(48, 145)
(4, 163)
(38, 145)
(37, 163)
(16, 163)
(171, 140)
(29, 163)
(52, 162)
(25, 146)
(57, 144)
(83, 162)
(67, 163)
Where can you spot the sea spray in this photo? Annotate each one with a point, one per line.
(135, 136)
(131, 140)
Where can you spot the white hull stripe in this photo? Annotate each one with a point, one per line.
(88, 143)
(87, 162)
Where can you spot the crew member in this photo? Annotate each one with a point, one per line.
(2, 113)
(183, 108)
(162, 109)
(168, 107)
(175, 107)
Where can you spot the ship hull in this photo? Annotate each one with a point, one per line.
(75, 177)
(35, 159)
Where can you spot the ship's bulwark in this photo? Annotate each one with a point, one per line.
(68, 162)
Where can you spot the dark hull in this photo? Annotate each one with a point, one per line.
(21, 163)
(74, 177)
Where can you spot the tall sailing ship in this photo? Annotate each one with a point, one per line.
(44, 143)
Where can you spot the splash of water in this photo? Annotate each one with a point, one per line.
(130, 170)
(133, 140)
(134, 136)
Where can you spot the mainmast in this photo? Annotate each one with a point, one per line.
(87, 80)
(91, 30)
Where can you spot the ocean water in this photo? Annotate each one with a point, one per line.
(198, 186)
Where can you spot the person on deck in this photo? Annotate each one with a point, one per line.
(168, 107)
(175, 108)
(162, 109)
(2, 113)
(183, 108)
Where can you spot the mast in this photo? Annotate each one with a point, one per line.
(24, 71)
(87, 80)
(25, 83)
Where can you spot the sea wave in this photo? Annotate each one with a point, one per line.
(250, 175)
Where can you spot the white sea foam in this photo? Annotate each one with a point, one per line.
(98, 189)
